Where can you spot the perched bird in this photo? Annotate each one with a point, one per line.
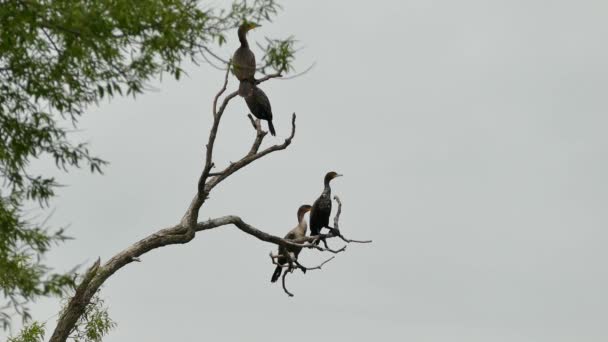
(321, 208)
(243, 60)
(298, 232)
(258, 103)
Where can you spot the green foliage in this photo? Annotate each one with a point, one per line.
(31, 333)
(94, 324)
(22, 276)
(279, 54)
(57, 57)
(91, 327)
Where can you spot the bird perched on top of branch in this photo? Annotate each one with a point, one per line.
(298, 232)
(258, 103)
(243, 60)
(243, 67)
(321, 208)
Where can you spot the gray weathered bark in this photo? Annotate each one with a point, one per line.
(184, 231)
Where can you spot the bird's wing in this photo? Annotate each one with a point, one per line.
(263, 101)
(319, 214)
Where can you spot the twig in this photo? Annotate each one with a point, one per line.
(289, 268)
(300, 73)
(353, 241)
(216, 98)
(336, 224)
(267, 77)
(284, 287)
(211, 63)
(251, 156)
(296, 262)
(259, 135)
(255, 123)
(316, 267)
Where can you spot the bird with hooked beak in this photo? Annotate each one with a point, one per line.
(243, 67)
(243, 60)
(321, 208)
(298, 232)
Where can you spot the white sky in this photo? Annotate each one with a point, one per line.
(472, 139)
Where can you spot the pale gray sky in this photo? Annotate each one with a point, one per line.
(472, 139)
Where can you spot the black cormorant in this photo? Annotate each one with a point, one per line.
(258, 103)
(321, 209)
(298, 232)
(243, 60)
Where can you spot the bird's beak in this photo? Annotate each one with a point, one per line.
(254, 25)
(339, 175)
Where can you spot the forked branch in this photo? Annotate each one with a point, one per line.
(337, 226)
(182, 232)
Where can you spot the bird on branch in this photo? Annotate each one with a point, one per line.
(258, 103)
(243, 67)
(243, 60)
(321, 209)
(298, 232)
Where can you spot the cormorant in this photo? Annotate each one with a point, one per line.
(258, 103)
(243, 60)
(321, 209)
(298, 232)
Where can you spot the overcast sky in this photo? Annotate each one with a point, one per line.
(472, 139)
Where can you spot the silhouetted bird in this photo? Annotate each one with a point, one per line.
(298, 232)
(258, 103)
(243, 60)
(321, 209)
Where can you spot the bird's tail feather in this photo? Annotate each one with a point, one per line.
(276, 274)
(271, 128)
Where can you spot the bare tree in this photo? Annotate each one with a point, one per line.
(187, 228)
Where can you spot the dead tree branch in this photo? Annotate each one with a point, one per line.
(285, 287)
(185, 230)
(289, 266)
(252, 156)
(336, 224)
(305, 242)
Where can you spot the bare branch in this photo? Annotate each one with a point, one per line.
(316, 267)
(259, 135)
(353, 241)
(178, 234)
(210, 62)
(285, 287)
(216, 98)
(252, 156)
(191, 215)
(186, 229)
(336, 224)
(289, 267)
(261, 235)
(297, 263)
(267, 77)
(255, 123)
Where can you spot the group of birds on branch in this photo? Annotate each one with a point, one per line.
(244, 68)
(320, 211)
